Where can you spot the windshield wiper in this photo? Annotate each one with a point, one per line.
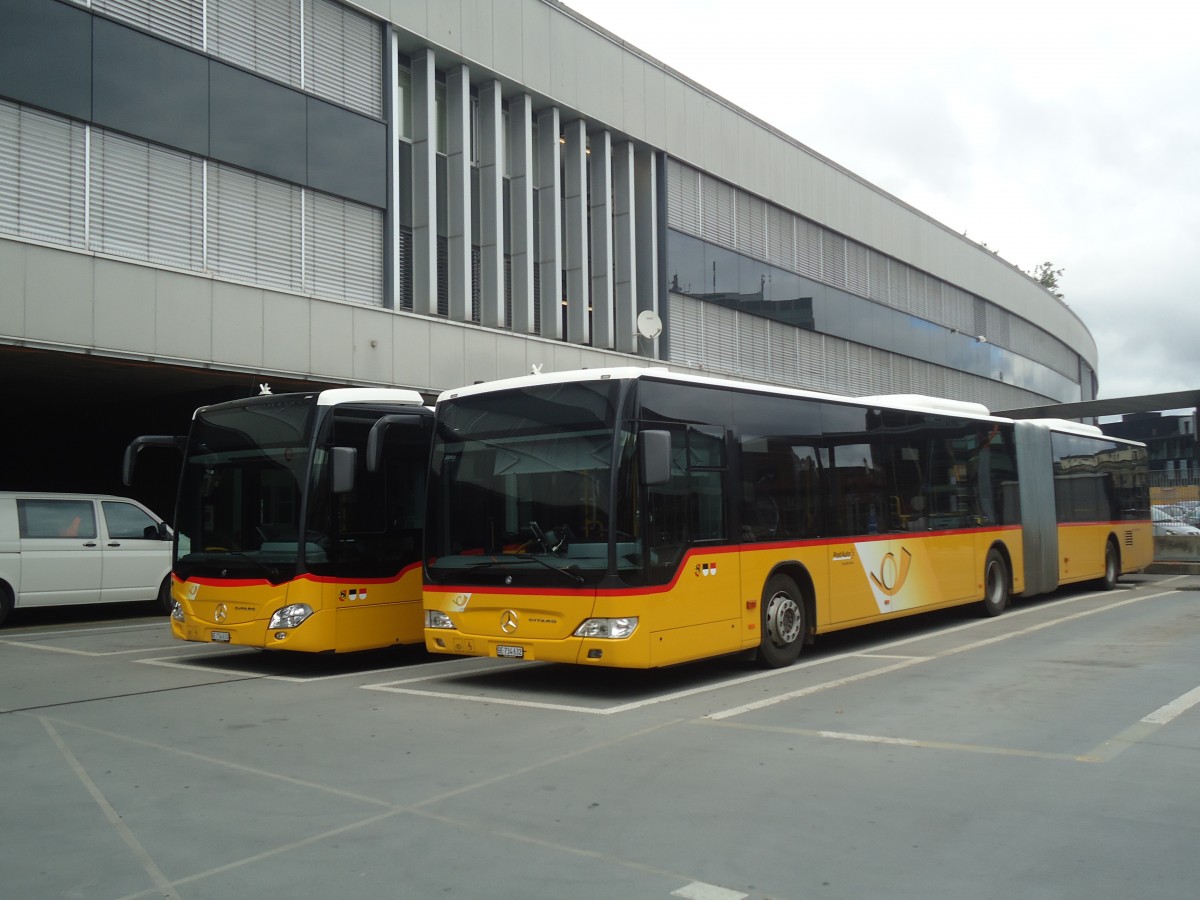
(526, 557)
(577, 578)
(271, 572)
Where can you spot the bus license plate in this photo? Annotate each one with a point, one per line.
(220, 637)
(510, 652)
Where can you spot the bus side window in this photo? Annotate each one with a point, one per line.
(691, 505)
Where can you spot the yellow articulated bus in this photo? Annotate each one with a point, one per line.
(298, 521)
(639, 518)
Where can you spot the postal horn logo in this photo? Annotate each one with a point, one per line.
(892, 573)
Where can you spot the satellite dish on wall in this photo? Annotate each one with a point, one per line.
(649, 325)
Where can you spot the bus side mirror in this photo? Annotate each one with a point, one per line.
(375, 437)
(344, 460)
(146, 440)
(656, 457)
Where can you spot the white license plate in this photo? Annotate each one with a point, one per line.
(510, 652)
(220, 637)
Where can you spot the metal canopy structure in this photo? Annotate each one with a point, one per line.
(1115, 407)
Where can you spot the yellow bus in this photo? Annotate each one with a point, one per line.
(298, 520)
(640, 518)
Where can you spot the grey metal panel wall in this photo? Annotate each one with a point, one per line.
(65, 300)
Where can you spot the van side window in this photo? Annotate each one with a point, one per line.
(56, 518)
(126, 521)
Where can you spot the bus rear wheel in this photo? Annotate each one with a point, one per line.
(1112, 567)
(783, 623)
(995, 584)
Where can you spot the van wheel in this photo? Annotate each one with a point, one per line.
(1112, 568)
(164, 596)
(6, 601)
(783, 626)
(995, 584)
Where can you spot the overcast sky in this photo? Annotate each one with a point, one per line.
(1049, 130)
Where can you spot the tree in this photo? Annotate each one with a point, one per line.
(1047, 276)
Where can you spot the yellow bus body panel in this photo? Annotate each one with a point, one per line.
(1081, 548)
(347, 616)
(713, 606)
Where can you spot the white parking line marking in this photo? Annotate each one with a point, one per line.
(698, 890)
(815, 688)
(962, 648)
(101, 629)
(1174, 709)
(71, 650)
(169, 663)
(396, 687)
(904, 742)
(163, 884)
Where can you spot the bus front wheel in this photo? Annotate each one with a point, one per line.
(783, 625)
(995, 584)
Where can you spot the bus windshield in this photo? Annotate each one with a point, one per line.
(241, 487)
(521, 487)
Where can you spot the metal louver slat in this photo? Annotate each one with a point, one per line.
(717, 219)
(364, 256)
(808, 248)
(751, 225)
(683, 198)
(880, 289)
(147, 202)
(811, 350)
(720, 339)
(934, 307)
(785, 367)
(42, 177)
(343, 56)
(833, 259)
(254, 228)
(781, 250)
(917, 298)
(858, 269)
(753, 351)
(261, 35)
(179, 20)
(404, 272)
(687, 331)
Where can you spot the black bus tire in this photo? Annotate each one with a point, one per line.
(6, 601)
(164, 601)
(1112, 567)
(782, 622)
(995, 584)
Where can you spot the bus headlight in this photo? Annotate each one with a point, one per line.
(607, 628)
(437, 619)
(290, 616)
(176, 610)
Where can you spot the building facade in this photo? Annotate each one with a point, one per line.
(205, 194)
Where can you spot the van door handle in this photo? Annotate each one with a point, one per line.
(114, 543)
(90, 544)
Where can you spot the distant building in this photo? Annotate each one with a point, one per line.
(1171, 445)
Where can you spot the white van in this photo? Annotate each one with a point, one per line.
(58, 549)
